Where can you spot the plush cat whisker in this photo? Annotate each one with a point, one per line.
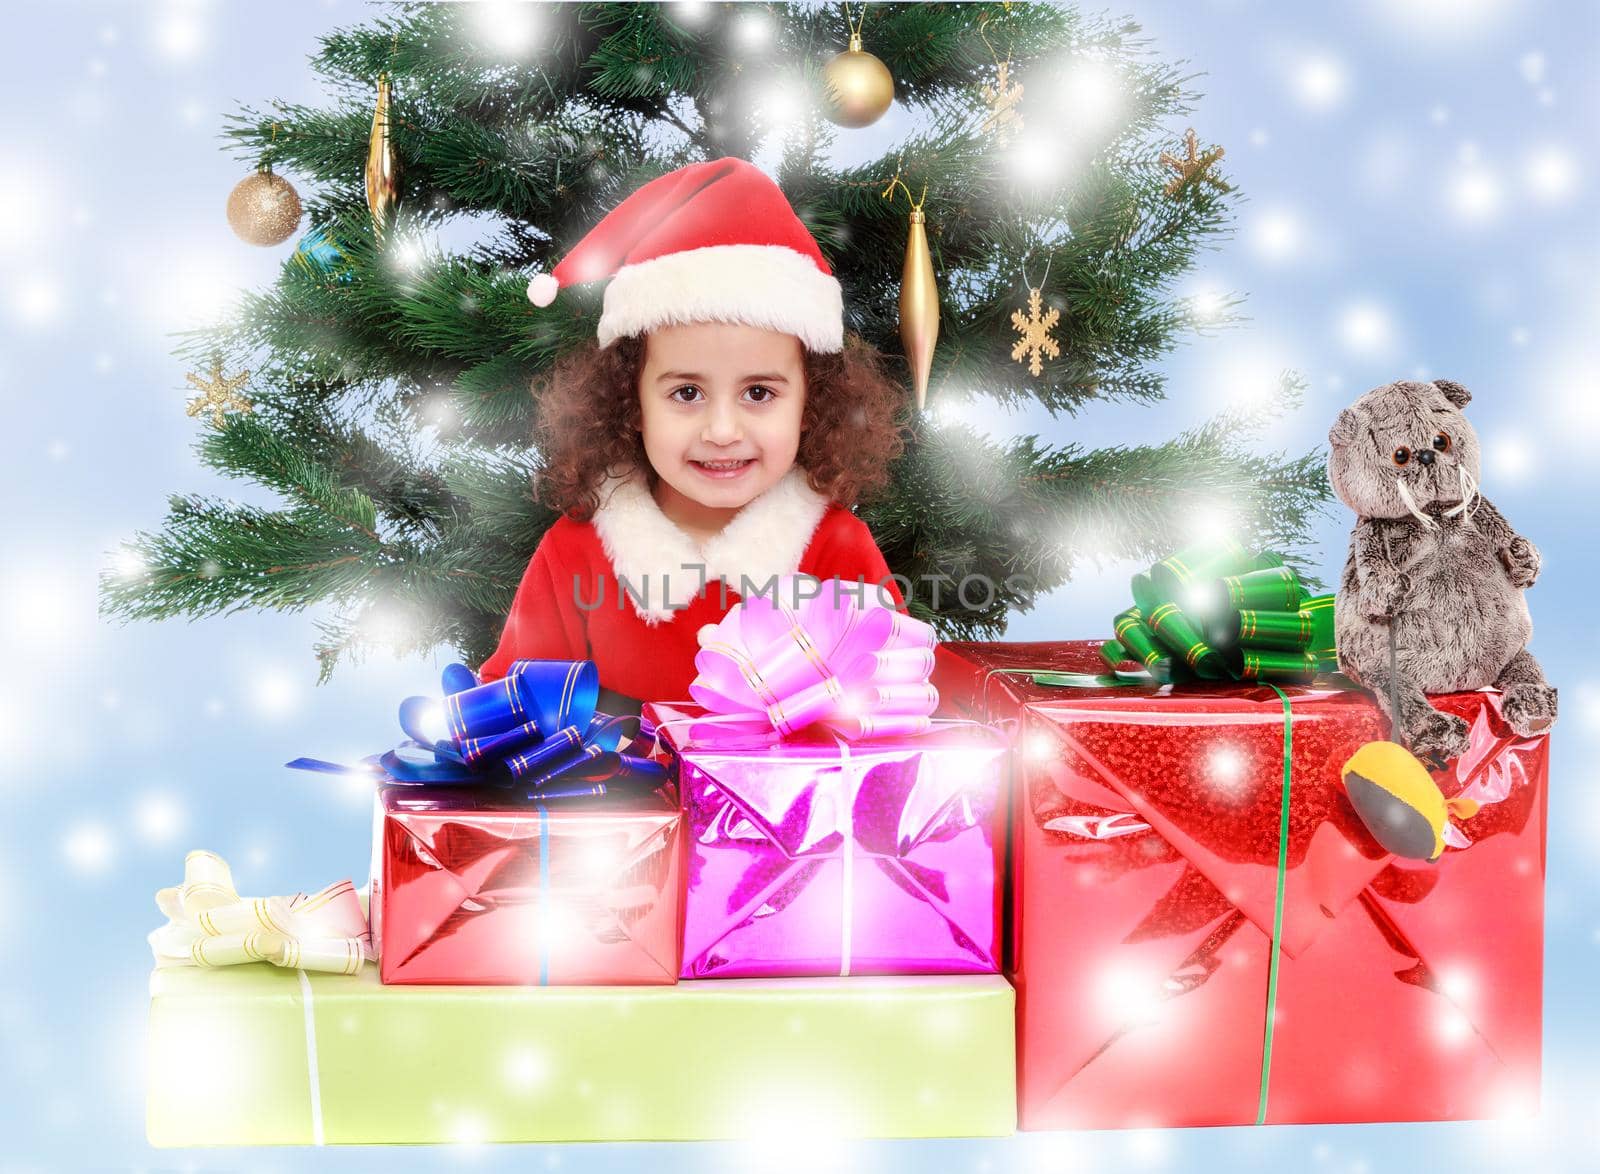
(1411, 504)
(1470, 497)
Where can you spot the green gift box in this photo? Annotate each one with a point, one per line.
(256, 1055)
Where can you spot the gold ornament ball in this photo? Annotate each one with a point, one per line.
(263, 209)
(860, 87)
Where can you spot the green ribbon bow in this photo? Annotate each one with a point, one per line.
(1215, 612)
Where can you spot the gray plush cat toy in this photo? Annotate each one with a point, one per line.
(1434, 561)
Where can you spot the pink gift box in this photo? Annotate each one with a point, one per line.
(814, 856)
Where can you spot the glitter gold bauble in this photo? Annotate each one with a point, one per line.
(383, 163)
(263, 209)
(859, 86)
(919, 306)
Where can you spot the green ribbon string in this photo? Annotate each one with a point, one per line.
(1277, 903)
(1050, 677)
(1216, 612)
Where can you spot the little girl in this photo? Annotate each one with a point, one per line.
(713, 438)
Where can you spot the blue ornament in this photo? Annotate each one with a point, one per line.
(319, 257)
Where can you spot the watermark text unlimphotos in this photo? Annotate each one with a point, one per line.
(973, 592)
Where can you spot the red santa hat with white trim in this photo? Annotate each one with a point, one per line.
(711, 242)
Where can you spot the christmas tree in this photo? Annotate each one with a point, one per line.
(389, 400)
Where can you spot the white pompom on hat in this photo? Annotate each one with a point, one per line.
(711, 242)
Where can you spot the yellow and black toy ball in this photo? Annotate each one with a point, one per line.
(1398, 800)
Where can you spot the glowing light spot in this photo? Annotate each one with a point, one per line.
(37, 302)
(128, 563)
(1149, 1147)
(387, 626)
(1510, 458)
(1452, 1027)
(1041, 748)
(1365, 328)
(691, 13)
(89, 848)
(1091, 91)
(178, 36)
(1551, 175)
(784, 105)
(1474, 195)
(159, 818)
(754, 30)
(526, 1069)
(1436, 23)
(1126, 997)
(1459, 985)
(1225, 770)
(408, 255)
(1277, 235)
(1320, 82)
(1207, 306)
(506, 29)
(1034, 161)
(49, 611)
(469, 1130)
(1212, 523)
(276, 693)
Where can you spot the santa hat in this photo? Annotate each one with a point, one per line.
(711, 242)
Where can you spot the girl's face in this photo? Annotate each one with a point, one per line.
(721, 406)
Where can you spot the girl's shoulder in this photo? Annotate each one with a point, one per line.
(568, 540)
(839, 519)
(840, 530)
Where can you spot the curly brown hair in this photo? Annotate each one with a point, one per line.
(852, 427)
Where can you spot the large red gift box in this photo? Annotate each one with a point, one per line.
(1144, 885)
(470, 887)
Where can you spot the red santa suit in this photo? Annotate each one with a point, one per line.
(643, 633)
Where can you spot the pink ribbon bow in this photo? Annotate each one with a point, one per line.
(788, 660)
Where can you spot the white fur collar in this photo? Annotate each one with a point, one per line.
(662, 564)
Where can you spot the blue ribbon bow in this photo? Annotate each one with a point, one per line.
(537, 729)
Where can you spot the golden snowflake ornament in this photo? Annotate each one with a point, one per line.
(218, 394)
(1195, 168)
(1035, 342)
(1002, 96)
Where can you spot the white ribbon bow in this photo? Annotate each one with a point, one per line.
(209, 924)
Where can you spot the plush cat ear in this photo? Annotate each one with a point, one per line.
(1344, 429)
(1454, 392)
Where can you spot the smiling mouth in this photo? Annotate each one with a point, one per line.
(722, 468)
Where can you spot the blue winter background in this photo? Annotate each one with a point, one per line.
(1421, 180)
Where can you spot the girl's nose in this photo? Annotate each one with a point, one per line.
(722, 424)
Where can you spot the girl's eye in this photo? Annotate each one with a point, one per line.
(690, 388)
(766, 393)
(1441, 442)
(1402, 455)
